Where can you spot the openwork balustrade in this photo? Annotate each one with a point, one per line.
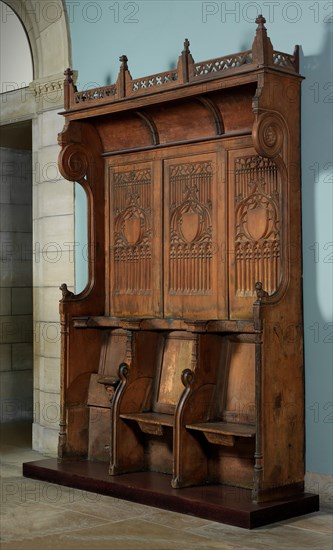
(187, 72)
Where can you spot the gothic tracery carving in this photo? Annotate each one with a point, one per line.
(257, 225)
(190, 252)
(132, 231)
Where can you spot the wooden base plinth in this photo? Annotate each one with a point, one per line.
(220, 503)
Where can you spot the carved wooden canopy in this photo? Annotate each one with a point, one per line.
(199, 156)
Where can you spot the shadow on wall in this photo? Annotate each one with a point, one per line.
(317, 179)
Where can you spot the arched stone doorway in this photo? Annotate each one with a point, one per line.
(47, 29)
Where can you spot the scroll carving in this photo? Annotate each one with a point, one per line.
(123, 372)
(257, 219)
(190, 228)
(74, 162)
(187, 377)
(132, 231)
(268, 135)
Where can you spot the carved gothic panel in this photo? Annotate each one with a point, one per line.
(257, 225)
(131, 233)
(256, 236)
(190, 228)
(191, 234)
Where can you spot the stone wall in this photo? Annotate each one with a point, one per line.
(16, 324)
(52, 202)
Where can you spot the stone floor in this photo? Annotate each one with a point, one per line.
(38, 515)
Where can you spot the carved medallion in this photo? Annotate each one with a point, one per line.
(268, 134)
(189, 225)
(257, 222)
(132, 229)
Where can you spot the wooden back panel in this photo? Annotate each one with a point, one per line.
(134, 229)
(163, 234)
(256, 235)
(174, 358)
(238, 401)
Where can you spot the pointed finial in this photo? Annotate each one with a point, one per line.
(261, 22)
(123, 76)
(185, 62)
(186, 46)
(68, 74)
(123, 59)
(262, 49)
(296, 58)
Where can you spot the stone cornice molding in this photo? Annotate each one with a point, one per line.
(50, 84)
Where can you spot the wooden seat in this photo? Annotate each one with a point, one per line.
(146, 401)
(101, 389)
(218, 407)
(231, 413)
(151, 422)
(223, 433)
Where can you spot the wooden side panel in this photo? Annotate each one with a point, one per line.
(283, 398)
(255, 229)
(191, 237)
(134, 243)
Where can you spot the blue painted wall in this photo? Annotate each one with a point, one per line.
(81, 238)
(151, 34)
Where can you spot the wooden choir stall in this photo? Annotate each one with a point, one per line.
(182, 360)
